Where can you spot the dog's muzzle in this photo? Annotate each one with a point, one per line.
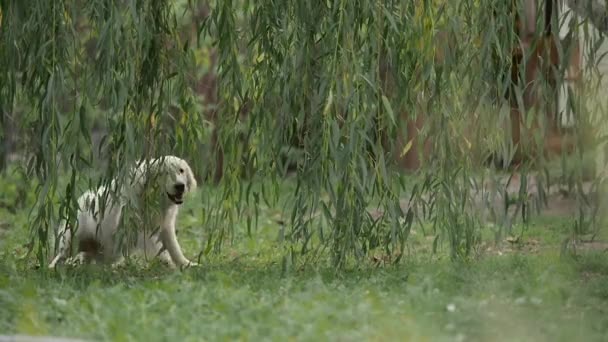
(176, 198)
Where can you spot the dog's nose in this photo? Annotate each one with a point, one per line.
(179, 188)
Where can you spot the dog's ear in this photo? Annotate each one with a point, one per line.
(192, 184)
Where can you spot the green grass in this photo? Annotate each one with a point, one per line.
(242, 293)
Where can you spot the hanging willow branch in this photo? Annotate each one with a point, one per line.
(352, 88)
(594, 10)
(72, 59)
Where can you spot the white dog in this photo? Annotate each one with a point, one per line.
(167, 180)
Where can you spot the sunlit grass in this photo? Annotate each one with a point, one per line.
(244, 292)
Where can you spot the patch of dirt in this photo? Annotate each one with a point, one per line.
(533, 246)
(560, 205)
(489, 200)
(512, 245)
(491, 196)
(591, 246)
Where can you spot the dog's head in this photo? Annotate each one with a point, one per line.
(179, 179)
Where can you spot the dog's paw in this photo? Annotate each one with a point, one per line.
(53, 264)
(168, 264)
(73, 261)
(189, 264)
(121, 263)
(80, 259)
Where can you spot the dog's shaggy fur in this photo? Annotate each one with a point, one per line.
(167, 179)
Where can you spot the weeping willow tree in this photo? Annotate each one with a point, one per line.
(338, 81)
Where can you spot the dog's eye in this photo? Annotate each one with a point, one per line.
(181, 170)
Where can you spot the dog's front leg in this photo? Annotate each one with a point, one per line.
(169, 240)
(65, 239)
(153, 246)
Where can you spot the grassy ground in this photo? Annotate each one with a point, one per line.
(529, 292)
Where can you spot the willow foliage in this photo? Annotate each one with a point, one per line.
(333, 80)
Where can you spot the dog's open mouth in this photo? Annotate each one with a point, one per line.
(177, 198)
